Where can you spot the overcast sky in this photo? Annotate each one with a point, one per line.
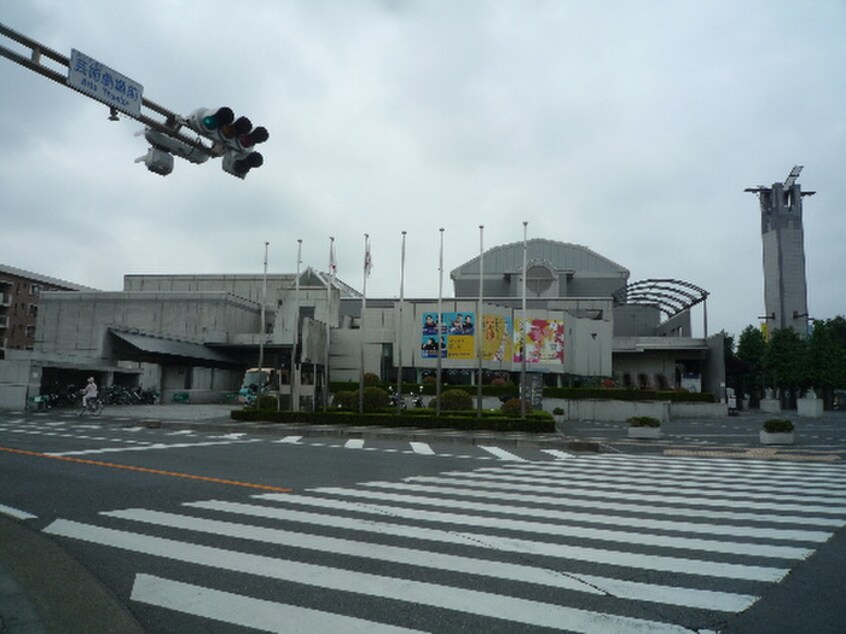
(631, 128)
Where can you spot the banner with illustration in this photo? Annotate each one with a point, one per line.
(496, 338)
(454, 330)
(544, 341)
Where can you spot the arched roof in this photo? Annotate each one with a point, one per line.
(671, 297)
(561, 256)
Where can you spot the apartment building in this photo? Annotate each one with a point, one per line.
(20, 295)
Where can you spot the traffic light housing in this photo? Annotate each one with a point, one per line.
(157, 161)
(236, 136)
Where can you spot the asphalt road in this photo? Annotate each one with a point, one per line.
(192, 526)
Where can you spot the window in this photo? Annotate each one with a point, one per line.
(538, 279)
(35, 289)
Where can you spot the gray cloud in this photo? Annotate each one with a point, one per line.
(630, 128)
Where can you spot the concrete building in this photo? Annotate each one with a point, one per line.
(20, 296)
(198, 333)
(783, 237)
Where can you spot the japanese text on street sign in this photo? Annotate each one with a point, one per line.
(104, 84)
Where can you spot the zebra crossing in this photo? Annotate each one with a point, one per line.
(135, 438)
(585, 544)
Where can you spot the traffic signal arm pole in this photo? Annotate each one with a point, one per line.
(172, 122)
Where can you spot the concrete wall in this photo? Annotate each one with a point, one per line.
(77, 323)
(14, 383)
(608, 410)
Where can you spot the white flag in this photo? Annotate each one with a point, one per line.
(368, 262)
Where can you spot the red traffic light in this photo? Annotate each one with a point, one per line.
(258, 135)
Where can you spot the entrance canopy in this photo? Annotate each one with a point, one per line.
(157, 349)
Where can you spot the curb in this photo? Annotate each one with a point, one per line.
(43, 589)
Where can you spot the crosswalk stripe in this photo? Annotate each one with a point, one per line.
(775, 479)
(715, 467)
(557, 453)
(154, 446)
(591, 584)
(16, 513)
(502, 454)
(291, 440)
(589, 499)
(236, 609)
(796, 493)
(708, 528)
(354, 443)
(498, 606)
(663, 563)
(667, 497)
(554, 526)
(422, 448)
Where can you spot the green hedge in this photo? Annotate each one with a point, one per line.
(621, 394)
(572, 393)
(536, 421)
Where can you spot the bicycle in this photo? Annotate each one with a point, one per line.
(94, 407)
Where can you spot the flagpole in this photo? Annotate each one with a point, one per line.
(263, 327)
(329, 286)
(361, 322)
(523, 332)
(294, 378)
(479, 321)
(440, 325)
(399, 324)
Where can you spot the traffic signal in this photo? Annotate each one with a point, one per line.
(236, 136)
(208, 122)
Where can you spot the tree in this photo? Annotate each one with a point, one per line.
(785, 360)
(751, 348)
(826, 357)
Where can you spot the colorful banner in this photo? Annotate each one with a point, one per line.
(496, 341)
(455, 331)
(544, 341)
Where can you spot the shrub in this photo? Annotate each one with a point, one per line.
(454, 400)
(370, 379)
(513, 407)
(558, 411)
(375, 398)
(267, 401)
(778, 426)
(346, 399)
(644, 421)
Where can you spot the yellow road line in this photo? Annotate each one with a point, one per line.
(172, 474)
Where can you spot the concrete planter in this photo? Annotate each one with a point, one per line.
(644, 432)
(558, 418)
(770, 405)
(809, 407)
(777, 438)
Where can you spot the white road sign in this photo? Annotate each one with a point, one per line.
(104, 84)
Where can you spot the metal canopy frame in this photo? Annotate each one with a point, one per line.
(670, 296)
